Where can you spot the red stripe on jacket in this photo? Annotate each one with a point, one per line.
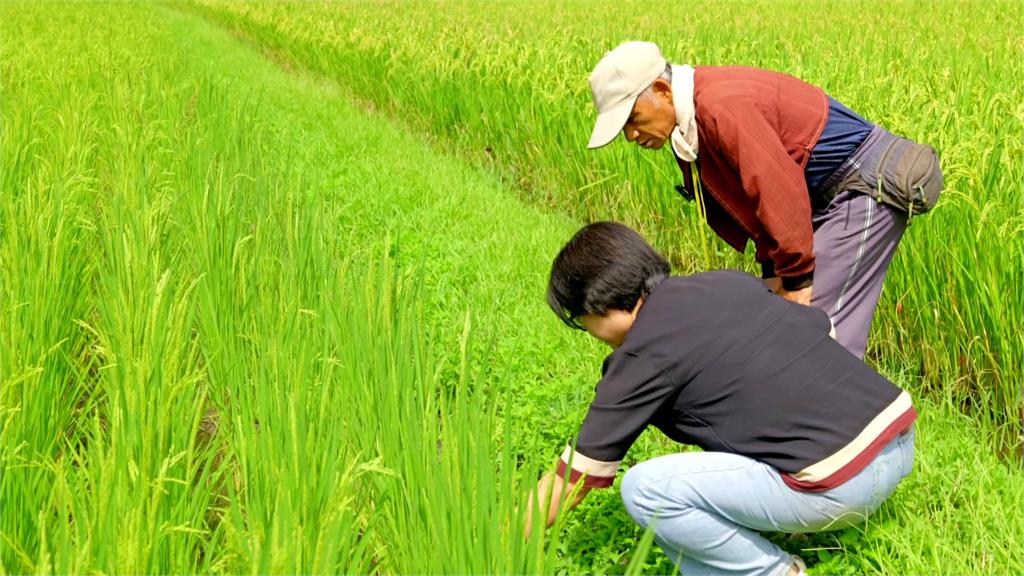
(858, 462)
(589, 481)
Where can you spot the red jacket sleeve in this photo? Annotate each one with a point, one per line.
(774, 188)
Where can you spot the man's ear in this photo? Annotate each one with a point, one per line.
(663, 89)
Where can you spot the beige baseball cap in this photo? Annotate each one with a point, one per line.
(617, 81)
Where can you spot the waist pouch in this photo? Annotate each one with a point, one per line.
(901, 173)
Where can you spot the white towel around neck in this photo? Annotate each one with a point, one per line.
(684, 135)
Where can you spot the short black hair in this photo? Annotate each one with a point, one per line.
(605, 266)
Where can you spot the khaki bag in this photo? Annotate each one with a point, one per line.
(907, 177)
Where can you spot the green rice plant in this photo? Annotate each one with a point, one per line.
(43, 353)
(294, 485)
(448, 500)
(117, 473)
(45, 190)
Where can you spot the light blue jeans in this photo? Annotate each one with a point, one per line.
(707, 507)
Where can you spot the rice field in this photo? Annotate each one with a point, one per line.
(507, 86)
(272, 274)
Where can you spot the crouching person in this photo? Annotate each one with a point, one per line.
(799, 435)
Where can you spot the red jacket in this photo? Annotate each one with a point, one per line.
(756, 129)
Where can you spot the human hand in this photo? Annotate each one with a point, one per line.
(801, 296)
(774, 283)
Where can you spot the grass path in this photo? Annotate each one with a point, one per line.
(245, 191)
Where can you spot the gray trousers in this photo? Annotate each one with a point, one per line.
(854, 240)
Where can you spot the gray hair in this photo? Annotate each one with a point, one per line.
(665, 75)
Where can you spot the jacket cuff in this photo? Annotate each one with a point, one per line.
(768, 269)
(793, 283)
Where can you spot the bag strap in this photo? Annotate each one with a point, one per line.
(687, 190)
(880, 177)
(694, 191)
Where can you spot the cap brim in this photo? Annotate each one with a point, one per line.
(610, 123)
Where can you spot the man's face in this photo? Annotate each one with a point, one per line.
(611, 327)
(653, 118)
